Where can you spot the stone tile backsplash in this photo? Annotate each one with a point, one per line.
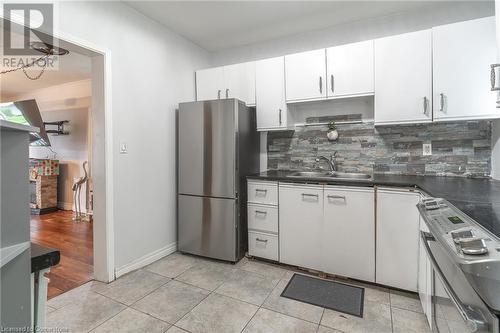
(458, 148)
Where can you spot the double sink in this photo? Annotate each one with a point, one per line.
(329, 175)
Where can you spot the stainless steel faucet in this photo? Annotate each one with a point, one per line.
(331, 161)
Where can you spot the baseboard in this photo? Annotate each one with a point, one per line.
(65, 205)
(146, 260)
(68, 206)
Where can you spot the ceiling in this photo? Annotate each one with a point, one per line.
(218, 25)
(75, 66)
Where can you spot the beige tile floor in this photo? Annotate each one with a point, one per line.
(182, 293)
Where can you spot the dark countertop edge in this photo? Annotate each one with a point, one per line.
(422, 183)
(43, 257)
(344, 182)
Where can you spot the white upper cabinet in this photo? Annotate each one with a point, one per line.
(462, 55)
(240, 82)
(233, 81)
(348, 212)
(270, 93)
(403, 78)
(305, 75)
(350, 69)
(210, 84)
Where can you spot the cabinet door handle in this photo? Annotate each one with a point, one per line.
(261, 212)
(336, 197)
(280, 116)
(425, 105)
(441, 102)
(321, 84)
(218, 94)
(261, 240)
(227, 93)
(332, 83)
(493, 77)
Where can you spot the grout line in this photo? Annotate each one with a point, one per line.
(195, 286)
(390, 309)
(112, 299)
(405, 309)
(248, 322)
(129, 305)
(289, 315)
(322, 314)
(320, 319)
(194, 307)
(104, 322)
(182, 329)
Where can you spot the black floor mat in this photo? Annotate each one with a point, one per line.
(328, 294)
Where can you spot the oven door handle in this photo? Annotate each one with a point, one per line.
(473, 319)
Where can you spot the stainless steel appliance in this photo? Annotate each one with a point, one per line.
(218, 146)
(464, 270)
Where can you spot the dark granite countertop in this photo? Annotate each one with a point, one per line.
(477, 197)
(43, 257)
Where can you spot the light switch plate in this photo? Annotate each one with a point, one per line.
(427, 149)
(123, 148)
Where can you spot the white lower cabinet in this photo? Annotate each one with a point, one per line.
(262, 214)
(355, 232)
(348, 242)
(263, 245)
(263, 218)
(329, 229)
(397, 238)
(301, 225)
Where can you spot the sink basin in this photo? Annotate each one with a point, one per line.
(349, 175)
(311, 174)
(328, 175)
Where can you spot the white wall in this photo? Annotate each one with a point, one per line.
(152, 71)
(440, 13)
(71, 150)
(68, 101)
(73, 146)
(495, 156)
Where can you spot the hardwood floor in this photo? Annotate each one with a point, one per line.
(75, 242)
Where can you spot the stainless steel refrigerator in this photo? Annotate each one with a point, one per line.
(218, 145)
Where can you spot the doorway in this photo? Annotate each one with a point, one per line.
(86, 242)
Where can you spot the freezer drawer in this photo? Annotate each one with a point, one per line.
(207, 227)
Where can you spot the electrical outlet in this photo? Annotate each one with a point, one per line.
(123, 148)
(427, 149)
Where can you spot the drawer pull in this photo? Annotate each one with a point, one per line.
(261, 240)
(260, 190)
(260, 212)
(336, 197)
(310, 195)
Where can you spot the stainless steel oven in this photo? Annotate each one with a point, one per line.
(456, 307)
(463, 286)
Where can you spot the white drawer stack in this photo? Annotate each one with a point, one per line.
(263, 219)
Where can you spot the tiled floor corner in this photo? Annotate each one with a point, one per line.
(181, 293)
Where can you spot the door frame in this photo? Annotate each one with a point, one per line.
(103, 233)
